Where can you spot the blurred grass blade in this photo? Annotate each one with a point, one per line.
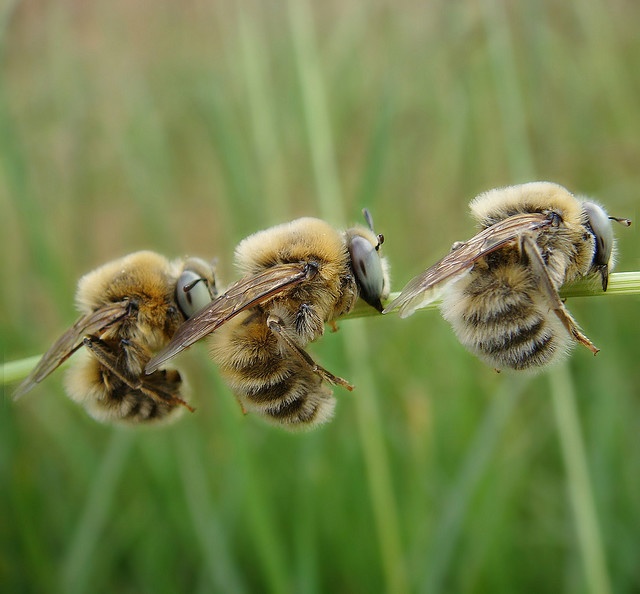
(268, 552)
(267, 539)
(371, 433)
(224, 574)
(262, 109)
(447, 532)
(579, 484)
(359, 355)
(316, 112)
(77, 565)
(507, 90)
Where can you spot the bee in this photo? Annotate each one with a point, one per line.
(500, 289)
(297, 277)
(131, 307)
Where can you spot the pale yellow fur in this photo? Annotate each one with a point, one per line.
(498, 203)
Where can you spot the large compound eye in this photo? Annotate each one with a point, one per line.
(600, 225)
(192, 293)
(367, 267)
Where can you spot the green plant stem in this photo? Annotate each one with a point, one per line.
(620, 283)
(14, 371)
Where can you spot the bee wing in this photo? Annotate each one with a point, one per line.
(248, 292)
(426, 287)
(95, 322)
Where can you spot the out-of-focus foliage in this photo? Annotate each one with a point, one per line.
(184, 126)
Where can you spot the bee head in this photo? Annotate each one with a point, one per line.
(193, 289)
(368, 267)
(599, 223)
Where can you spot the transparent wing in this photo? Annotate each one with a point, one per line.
(248, 292)
(426, 287)
(91, 324)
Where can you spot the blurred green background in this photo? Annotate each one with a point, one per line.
(184, 126)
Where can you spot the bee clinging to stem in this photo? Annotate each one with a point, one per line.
(130, 307)
(500, 288)
(297, 277)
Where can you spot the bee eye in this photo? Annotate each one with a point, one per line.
(598, 222)
(367, 267)
(192, 293)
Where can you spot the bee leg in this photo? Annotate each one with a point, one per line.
(275, 325)
(161, 386)
(149, 387)
(531, 249)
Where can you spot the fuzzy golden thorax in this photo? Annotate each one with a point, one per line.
(332, 290)
(147, 281)
(496, 205)
(568, 245)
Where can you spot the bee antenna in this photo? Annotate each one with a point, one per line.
(625, 222)
(368, 217)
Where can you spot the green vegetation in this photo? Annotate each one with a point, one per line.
(183, 127)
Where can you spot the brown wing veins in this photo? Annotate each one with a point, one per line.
(426, 287)
(94, 323)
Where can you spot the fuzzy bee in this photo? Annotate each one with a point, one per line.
(500, 289)
(130, 308)
(297, 277)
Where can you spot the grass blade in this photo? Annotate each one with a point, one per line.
(76, 568)
(448, 530)
(359, 355)
(219, 565)
(579, 484)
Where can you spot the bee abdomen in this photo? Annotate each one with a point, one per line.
(504, 326)
(526, 347)
(134, 407)
(310, 409)
(299, 398)
(107, 398)
(266, 377)
(508, 342)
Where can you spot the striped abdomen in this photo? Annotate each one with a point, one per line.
(266, 377)
(107, 398)
(501, 316)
